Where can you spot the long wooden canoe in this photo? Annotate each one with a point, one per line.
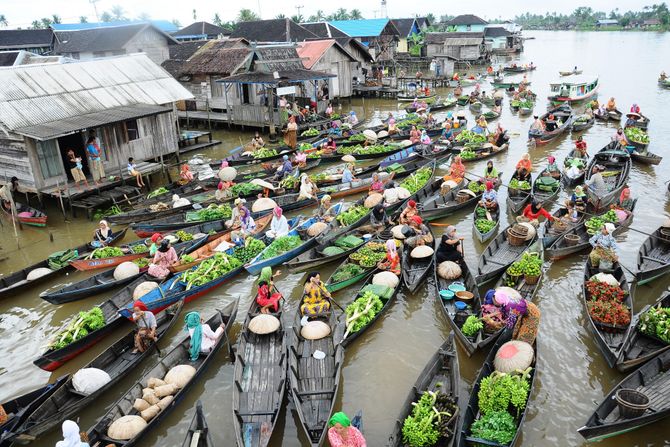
(178, 356)
(440, 375)
(552, 230)
(497, 256)
(90, 286)
(26, 215)
(494, 217)
(315, 257)
(617, 164)
(259, 381)
(544, 196)
(198, 434)
(579, 179)
(333, 286)
(415, 271)
(653, 258)
(645, 157)
(517, 199)
(563, 113)
(117, 361)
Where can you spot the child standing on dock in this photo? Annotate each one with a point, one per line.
(76, 169)
(132, 170)
(95, 165)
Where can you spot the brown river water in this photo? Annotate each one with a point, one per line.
(382, 365)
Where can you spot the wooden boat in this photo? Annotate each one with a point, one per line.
(90, 286)
(26, 215)
(539, 191)
(256, 265)
(562, 247)
(442, 104)
(476, 107)
(495, 217)
(639, 348)
(554, 230)
(455, 317)
(198, 434)
(440, 375)
(314, 384)
(15, 282)
(333, 286)
(349, 337)
(574, 89)
(412, 97)
(52, 359)
(238, 159)
(609, 339)
(491, 115)
(433, 205)
(259, 382)
(315, 257)
(570, 73)
(89, 263)
(665, 83)
(617, 164)
(415, 270)
(209, 249)
(640, 120)
(472, 410)
(19, 408)
(608, 115)
(567, 163)
(645, 157)
(653, 258)
(497, 256)
(517, 199)
(518, 69)
(178, 356)
(117, 361)
(336, 229)
(564, 116)
(486, 150)
(651, 380)
(393, 209)
(192, 188)
(463, 100)
(579, 124)
(507, 84)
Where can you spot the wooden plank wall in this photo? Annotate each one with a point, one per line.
(14, 160)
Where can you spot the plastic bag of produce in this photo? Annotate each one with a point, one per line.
(372, 200)
(449, 270)
(397, 232)
(621, 215)
(403, 193)
(316, 229)
(126, 270)
(165, 390)
(37, 273)
(141, 405)
(150, 396)
(154, 382)
(381, 291)
(606, 278)
(89, 380)
(315, 330)
(126, 427)
(180, 375)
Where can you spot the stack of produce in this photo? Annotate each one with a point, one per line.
(281, 245)
(468, 136)
(79, 327)
(529, 266)
(141, 262)
(357, 138)
(411, 119)
(184, 236)
(477, 187)
(346, 271)
(61, 259)
(430, 420)
(418, 180)
(369, 255)
(362, 311)
(502, 398)
(484, 225)
(605, 303)
(111, 211)
(106, 252)
(264, 152)
(157, 192)
(636, 135)
(468, 154)
(595, 224)
(139, 248)
(210, 269)
(311, 132)
(245, 189)
(251, 248)
(212, 212)
(353, 214)
(473, 324)
(655, 323)
(516, 184)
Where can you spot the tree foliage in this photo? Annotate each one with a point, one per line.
(247, 15)
(586, 17)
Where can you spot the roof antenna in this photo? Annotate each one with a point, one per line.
(384, 12)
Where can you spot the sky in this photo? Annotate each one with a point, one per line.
(22, 13)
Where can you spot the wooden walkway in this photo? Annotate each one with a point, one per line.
(376, 92)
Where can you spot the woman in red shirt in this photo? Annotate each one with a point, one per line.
(580, 145)
(532, 212)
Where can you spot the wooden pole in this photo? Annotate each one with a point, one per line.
(60, 198)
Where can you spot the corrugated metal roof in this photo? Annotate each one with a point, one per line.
(39, 94)
(310, 52)
(361, 28)
(462, 41)
(67, 126)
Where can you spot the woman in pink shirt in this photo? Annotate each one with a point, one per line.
(342, 434)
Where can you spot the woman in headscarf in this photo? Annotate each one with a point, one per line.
(577, 202)
(268, 296)
(490, 197)
(223, 192)
(516, 313)
(247, 226)
(291, 133)
(414, 135)
(525, 163)
(342, 434)
(447, 132)
(425, 139)
(146, 326)
(422, 234)
(392, 260)
(532, 213)
(307, 188)
(456, 170)
(329, 146)
(163, 259)
(234, 221)
(316, 300)
(625, 202)
(278, 225)
(552, 168)
(490, 173)
(620, 137)
(203, 338)
(103, 235)
(604, 245)
(348, 173)
(392, 126)
(72, 435)
(352, 119)
(156, 240)
(300, 159)
(325, 211)
(185, 175)
(377, 186)
(409, 212)
(450, 248)
(611, 104)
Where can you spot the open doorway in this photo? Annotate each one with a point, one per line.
(75, 142)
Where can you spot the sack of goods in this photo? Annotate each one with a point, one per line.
(144, 288)
(512, 356)
(316, 229)
(397, 232)
(449, 270)
(421, 252)
(90, 380)
(387, 279)
(315, 330)
(263, 204)
(372, 200)
(126, 270)
(264, 324)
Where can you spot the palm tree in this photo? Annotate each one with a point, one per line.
(280, 16)
(46, 22)
(320, 16)
(106, 17)
(117, 12)
(355, 14)
(36, 24)
(3, 20)
(83, 19)
(217, 20)
(298, 18)
(55, 18)
(247, 15)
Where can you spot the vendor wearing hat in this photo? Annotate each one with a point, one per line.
(408, 213)
(146, 326)
(342, 434)
(156, 240)
(352, 119)
(285, 170)
(604, 245)
(420, 234)
(235, 217)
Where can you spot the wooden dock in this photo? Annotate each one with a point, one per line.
(189, 141)
(375, 91)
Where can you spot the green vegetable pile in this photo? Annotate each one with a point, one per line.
(210, 269)
(139, 248)
(361, 312)
(467, 154)
(244, 189)
(264, 152)
(473, 324)
(637, 135)
(411, 119)
(60, 259)
(251, 248)
(212, 212)
(429, 420)
(516, 184)
(352, 215)
(595, 224)
(349, 241)
(499, 391)
(484, 225)
(356, 138)
(365, 150)
(418, 180)
(111, 211)
(157, 192)
(530, 264)
(468, 136)
(656, 323)
(106, 252)
(476, 187)
(281, 245)
(289, 182)
(311, 132)
(369, 255)
(81, 326)
(185, 259)
(304, 147)
(141, 262)
(497, 426)
(184, 236)
(347, 271)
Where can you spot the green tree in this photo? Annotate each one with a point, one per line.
(176, 23)
(55, 18)
(3, 20)
(318, 17)
(36, 24)
(106, 17)
(340, 14)
(83, 19)
(430, 17)
(247, 15)
(217, 20)
(298, 18)
(118, 13)
(46, 22)
(280, 16)
(195, 15)
(355, 14)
